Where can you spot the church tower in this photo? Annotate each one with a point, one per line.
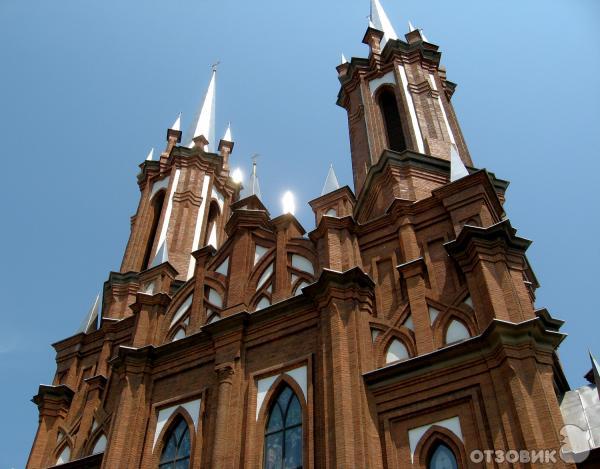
(400, 332)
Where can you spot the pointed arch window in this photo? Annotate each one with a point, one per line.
(283, 433)
(391, 119)
(176, 452)
(442, 457)
(211, 231)
(156, 210)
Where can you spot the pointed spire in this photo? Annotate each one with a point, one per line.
(204, 123)
(344, 59)
(150, 156)
(382, 22)
(411, 28)
(227, 137)
(90, 322)
(331, 182)
(177, 124)
(457, 167)
(162, 255)
(253, 186)
(423, 36)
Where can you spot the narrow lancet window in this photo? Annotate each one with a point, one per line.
(157, 206)
(283, 433)
(442, 457)
(176, 452)
(391, 119)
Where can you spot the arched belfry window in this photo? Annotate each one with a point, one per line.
(176, 451)
(157, 206)
(391, 120)
(283, 432)
(442, 457)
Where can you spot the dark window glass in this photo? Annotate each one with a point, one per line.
(391, 119)
(157, 205)
(442, 458)
(283, 434)
(176, 453)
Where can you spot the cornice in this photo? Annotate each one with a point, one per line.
(333, 223)
(331, 280)
(497, 334)
(326, 199)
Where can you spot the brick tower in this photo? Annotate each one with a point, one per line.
(400, 332)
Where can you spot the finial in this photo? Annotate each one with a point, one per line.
(331, 182)
(150, 156)
(411, 28)
(423, 36)
(90, 322)
(344, 59)
(457, 167)
(253, 185)
(227, 135)
(288, 202)
(177, 124)
(215, 65)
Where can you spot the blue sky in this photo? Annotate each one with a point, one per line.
(88, 87)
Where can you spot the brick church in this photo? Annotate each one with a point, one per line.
(401, 332)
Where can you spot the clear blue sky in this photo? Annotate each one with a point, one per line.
(87, 87)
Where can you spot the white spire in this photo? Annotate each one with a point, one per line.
(382, 22)
(411, 28)
(457, 167)
(331, 183)
(177, 124)
(227, 137)
(344, 59)
(595, 370)
(162, 255)
(90, 322)
(253, 186)
(150, 156)
(423, 36)
(204, 124)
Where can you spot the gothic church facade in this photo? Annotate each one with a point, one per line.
(401, 332)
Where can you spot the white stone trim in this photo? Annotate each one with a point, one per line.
(411, 109)
(158, 185)
(300, 375)
(165, 225)
(387, 79)
(191, 407)
(199, 222)
(415, 434)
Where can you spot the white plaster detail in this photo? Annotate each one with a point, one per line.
(214, 318)
(100, 445)
(212, 238)
(167, 218)
(182, 309)
(456, 332)
(65, 456)
(411, 109)
(332, 212)
(192, 408)
(439, 100)
(433, 314)
(303, 264)
(199, 223)
(294, 278)
(223, 268)
(214, 298)
(265, 276)
(300, 375)
(263, 303)
(158, 185)
(149, 288)
(415, 434)
(180, 334)
(387, 79)
(374, 334)
(94, 425)
(457, 167)
(469, 301)
(396, 351)
(216, 195)
(409, 323)
(259, 252)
